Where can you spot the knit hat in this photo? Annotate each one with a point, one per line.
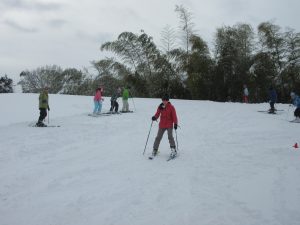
(293, 94)
(165, 97)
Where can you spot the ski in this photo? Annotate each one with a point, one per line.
(126, 111)
(111, 113)
(263, 111)
(99, 115)
(274, 113)
(294, 121)
(276, 110)
(45, 126)
(171, 157)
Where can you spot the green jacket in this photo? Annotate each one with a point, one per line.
(43, 100)
(125, 94)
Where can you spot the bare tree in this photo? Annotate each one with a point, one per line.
(168, 39)
(186, 25)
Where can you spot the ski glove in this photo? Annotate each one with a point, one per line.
(153, 118)
(175, 126)
(48, 108)
(161, 106)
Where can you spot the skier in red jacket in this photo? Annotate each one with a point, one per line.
(168, 117)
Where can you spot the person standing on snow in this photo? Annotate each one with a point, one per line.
(43, 106)
(113, 101)
(168, 117)
(125, 97)
(245, 94)
(273, 99)
(98, 101)
(296, 102)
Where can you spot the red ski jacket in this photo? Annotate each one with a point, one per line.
(167, 115)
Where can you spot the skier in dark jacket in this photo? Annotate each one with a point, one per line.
(168, 117)
(272, 99)
(43, 106)
(114, 105)
(296, 103)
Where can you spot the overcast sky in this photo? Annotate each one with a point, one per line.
(69, 33)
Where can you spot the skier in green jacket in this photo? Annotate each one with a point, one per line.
(43, 106)
(125, 97)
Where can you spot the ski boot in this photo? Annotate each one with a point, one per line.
(173, 152)
(40, 124)
(154, 152)
(272, 111)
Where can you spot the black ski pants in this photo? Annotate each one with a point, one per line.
(43, 114)
(272, 105)
(297, 112)
(114, 105)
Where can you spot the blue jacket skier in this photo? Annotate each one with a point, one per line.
(296, 102)
(273, 99)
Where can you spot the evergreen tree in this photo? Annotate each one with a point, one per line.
(200, 70)
(6, 85)
(233, 48)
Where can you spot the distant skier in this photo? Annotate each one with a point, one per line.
(272, 99)
(125, 97)
(43, 106)
(98, 100)
(296, 102)
(168, 117)
(245, 94)
(113, 101)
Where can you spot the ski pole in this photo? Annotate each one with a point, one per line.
(176, 137)
(148, 137)
(176, 140)
(133, 103)
(287, 114)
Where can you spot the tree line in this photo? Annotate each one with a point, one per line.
(187, 68)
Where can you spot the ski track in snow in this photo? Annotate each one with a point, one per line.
(235, 166)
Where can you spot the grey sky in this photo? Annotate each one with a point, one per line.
(68, 33)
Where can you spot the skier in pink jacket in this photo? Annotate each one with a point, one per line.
(98, 101)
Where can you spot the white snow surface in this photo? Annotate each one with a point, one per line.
(236, 166)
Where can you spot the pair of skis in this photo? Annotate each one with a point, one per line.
(171, 157)
(33, 124)
(104, 114)
(270, 112)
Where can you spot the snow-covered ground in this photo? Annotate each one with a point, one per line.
(236, 166)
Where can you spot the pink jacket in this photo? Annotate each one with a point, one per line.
(167, 115)
(98, 96)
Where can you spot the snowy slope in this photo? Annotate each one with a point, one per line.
(236, 165)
